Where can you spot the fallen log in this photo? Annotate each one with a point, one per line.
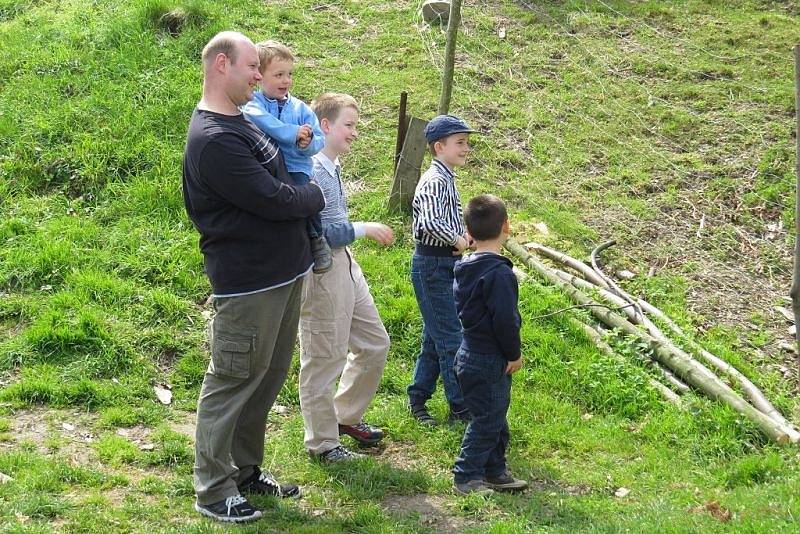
(750, 390)
(625, 307)
(688, 369)
(597, 339)
(601, 284)
(611, 284)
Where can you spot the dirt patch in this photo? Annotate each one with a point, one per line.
(429, 510)
(70, 434)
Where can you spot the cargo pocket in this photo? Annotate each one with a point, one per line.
(317, 337)
(230, 355)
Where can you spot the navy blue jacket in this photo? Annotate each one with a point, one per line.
(486, 293)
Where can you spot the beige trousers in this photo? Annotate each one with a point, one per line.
(341, 337)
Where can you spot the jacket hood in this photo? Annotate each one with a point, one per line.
(476, 266)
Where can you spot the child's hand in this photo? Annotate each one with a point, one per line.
(514, 366)
(461, 245)
(304, 135)
(379, 232)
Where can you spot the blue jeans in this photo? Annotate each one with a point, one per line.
(314, 223)
(487, 394)
(432, 277)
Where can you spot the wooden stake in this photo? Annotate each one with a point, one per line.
(408, 166)
(402, 127)
(450, 56)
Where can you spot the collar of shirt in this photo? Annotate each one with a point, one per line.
(327, 164)
(444, 169)
(269, 99)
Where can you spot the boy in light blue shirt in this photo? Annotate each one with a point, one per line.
(292, 124)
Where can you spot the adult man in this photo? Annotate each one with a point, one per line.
(256, 250)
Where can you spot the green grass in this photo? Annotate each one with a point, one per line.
(603, 119)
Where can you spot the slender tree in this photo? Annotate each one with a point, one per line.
(454, 21)
(795, 291)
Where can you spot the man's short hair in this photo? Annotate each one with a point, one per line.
(269, 50)
(484, 217)
(329, 105)
(223, 43)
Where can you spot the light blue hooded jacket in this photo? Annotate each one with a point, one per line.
(263, 112)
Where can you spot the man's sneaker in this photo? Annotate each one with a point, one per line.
(363, 433)
(323, 261)
(338, 454)
(472, 486)
(421, 414)
(262, 483)
(506, 482)
(456, 417)
(234, 509)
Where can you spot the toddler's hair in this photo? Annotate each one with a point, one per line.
(484, 217)
(269, 50)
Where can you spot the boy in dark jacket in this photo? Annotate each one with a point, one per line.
(486, 296)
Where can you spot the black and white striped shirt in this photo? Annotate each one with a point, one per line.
(437, 219)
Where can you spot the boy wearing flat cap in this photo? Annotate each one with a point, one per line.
(440, 239)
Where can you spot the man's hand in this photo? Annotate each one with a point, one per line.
(514, 366)
(304, 136)
(460, 246)
(379, 232)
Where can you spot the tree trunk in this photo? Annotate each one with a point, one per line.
(450, 56)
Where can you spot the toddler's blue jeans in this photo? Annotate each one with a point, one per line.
(487, 394)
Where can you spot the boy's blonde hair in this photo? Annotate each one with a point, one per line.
(329, 105)
(269, 50)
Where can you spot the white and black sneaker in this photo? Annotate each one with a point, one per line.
(234, 509)
(262, 483)
(337, 454)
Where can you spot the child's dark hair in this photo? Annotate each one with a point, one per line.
(484, 217)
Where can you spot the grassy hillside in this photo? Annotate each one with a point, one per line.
(665, 125)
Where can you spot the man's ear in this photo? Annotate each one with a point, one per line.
(221, 63)
(325, 126)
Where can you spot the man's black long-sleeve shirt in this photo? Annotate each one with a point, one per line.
(250, 215)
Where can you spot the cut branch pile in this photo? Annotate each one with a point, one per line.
(616, 309)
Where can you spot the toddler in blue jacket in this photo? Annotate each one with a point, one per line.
(292, 124)
(486, 294)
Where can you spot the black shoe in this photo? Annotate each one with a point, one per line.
(323, 261)
(336, 455)
(366, 435)
(456, 417)
(261, 483)
(506, 482)
(421, 414)
(477, 486)
(234, 509)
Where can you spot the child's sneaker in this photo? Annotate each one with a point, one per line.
(234, 509)
(506, 482)
(366, 435)
(338, 454)
(421, 414)
(473, 486)
(262, 483)
(323, 261)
